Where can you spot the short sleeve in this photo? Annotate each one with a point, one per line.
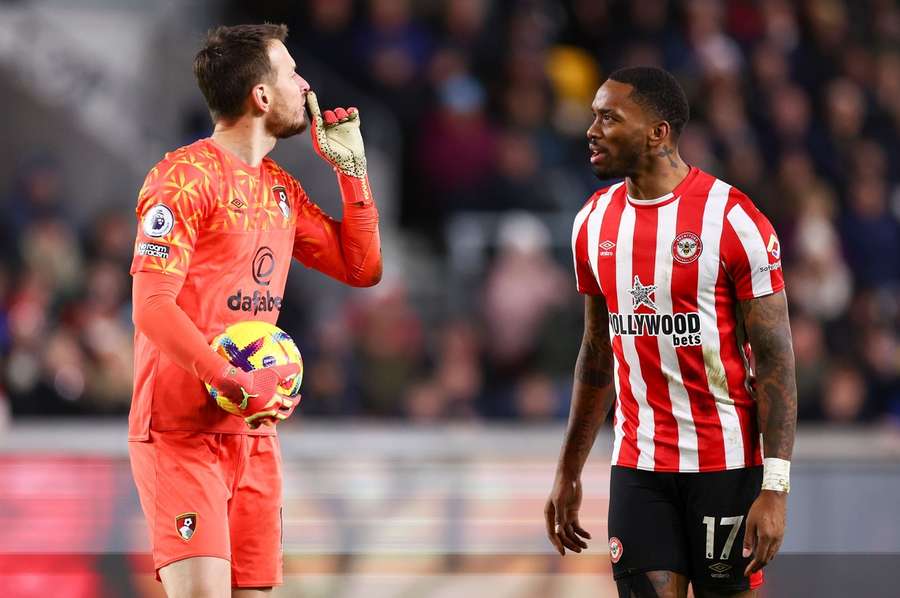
(585, 281)
(172, 204)
(751, 252)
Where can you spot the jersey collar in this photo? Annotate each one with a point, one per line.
(662, 200)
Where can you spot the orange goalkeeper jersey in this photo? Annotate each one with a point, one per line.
(229, 231)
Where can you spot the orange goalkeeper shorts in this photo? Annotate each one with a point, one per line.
(213, 495)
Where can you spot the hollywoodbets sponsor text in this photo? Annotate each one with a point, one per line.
(684, 328)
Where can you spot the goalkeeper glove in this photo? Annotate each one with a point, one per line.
(255, 394)
(336, 137)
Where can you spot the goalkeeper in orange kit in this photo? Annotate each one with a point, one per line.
(218, 224)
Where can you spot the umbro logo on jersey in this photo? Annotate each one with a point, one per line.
(606, 248)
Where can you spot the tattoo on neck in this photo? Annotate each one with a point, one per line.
(668, 152)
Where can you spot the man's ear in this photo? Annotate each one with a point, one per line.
(659, 133)
(260, 98)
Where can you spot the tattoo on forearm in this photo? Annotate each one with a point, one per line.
(668, 152)
(594, 365)
(768, 328)
(591, 399)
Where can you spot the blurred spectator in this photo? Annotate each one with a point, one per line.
(881, 351)
(50, 251)
(458, 370)
(517, 181)
(329, 24)
(844, 394)
(714, 52)
(390, 352)
(393, 48)
(35, 196)
(457, 147)
(820, 281)
(872, 235)
(810, 355)
(522, 288)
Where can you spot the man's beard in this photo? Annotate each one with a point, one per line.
(282, 125)
(624, 164)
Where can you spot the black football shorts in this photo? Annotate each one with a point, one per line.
(688, 523)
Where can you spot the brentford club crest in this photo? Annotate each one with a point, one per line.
(686, 248)
(186, 525)
(615, 549)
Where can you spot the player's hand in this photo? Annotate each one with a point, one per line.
(337, 138)
(561, 516)
(765, 529)
(255, 393)
(288, 405)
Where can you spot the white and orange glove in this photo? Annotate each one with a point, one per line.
(260, 402)
(336, 137)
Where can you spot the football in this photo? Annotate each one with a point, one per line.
(251, 345)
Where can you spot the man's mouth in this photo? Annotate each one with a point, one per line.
(597, 154)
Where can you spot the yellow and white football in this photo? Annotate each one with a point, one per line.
(252, 345)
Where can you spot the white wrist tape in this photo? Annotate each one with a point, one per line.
(776, 475)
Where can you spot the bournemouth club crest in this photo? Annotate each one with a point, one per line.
(186, 524)
(615, 549)
(281, 197)
(686, 248)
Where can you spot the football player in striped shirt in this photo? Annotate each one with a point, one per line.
(682, 279)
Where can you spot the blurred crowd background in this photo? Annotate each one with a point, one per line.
(797, 103)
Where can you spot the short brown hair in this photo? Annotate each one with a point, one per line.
(231, 62)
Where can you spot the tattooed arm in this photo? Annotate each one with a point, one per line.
(591, 401)
(768, 329)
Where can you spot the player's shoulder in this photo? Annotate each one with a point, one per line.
(198, 159)
(281, 176)
(269, 164)
(606, 193)
(276, 169)
(704, 183)
(740, 201)
(187, 174)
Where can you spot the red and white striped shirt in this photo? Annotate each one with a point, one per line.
(673, 270)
